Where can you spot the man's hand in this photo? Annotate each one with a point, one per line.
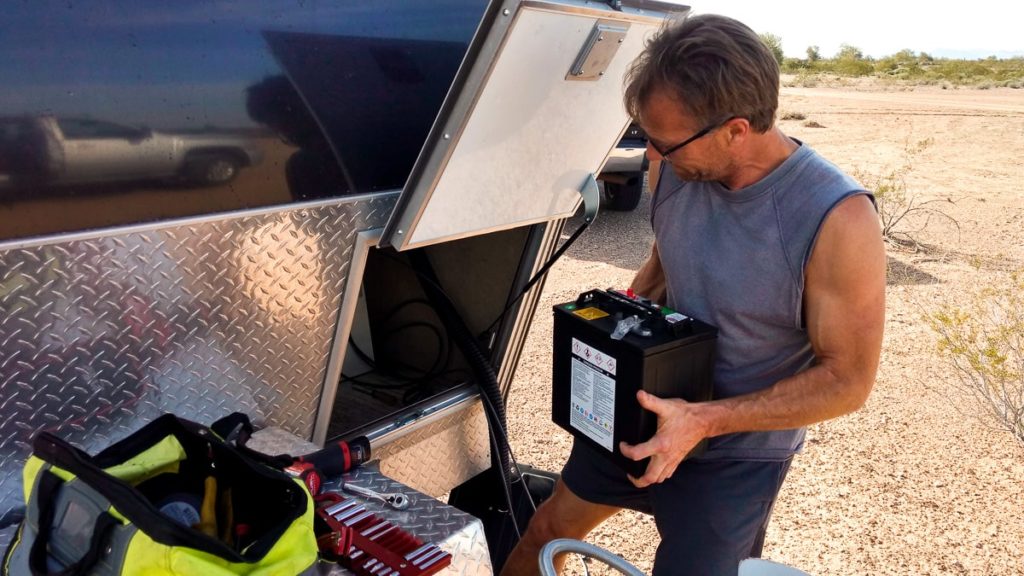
(680, 428)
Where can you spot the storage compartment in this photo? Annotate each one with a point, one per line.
(399, 353)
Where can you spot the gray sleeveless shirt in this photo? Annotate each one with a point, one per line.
(736, 259)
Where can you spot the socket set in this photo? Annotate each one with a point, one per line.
(371, 546)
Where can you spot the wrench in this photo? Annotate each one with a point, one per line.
(396, 500)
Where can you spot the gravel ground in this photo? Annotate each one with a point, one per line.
(913, 483)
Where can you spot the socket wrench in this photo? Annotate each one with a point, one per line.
(396, 500)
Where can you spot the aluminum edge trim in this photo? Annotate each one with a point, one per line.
(497, 228)
(365, 240)
(527, 309)
(451, 120)
(656, 14)
(35, 241)
(398, 426)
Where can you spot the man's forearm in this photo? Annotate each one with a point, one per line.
(814, 395)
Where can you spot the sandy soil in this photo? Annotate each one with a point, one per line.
(912, 483)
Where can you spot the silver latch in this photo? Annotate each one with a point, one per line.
(598, 50)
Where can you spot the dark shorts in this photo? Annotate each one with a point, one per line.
(710, 514)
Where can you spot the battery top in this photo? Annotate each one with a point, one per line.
(651, 327)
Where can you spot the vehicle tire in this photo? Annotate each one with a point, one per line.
(213, 169)
(625, 197)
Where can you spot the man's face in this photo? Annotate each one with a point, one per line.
(692, 151)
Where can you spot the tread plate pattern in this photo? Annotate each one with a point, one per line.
(100, 335)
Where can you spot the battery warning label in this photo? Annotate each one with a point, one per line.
(592, 400)
(590, 313)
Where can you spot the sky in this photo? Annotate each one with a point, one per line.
(975, 29)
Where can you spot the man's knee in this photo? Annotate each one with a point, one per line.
(565, 515)
(547, 524)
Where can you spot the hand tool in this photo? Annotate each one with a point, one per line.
(396, 500)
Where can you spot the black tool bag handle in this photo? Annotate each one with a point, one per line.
(46, 496)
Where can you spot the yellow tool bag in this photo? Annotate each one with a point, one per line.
(173, 498)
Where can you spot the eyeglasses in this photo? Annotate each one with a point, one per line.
(700, 134)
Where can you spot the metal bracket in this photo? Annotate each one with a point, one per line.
(598, 50)
(591, 199)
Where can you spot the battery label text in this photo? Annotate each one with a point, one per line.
(592, 396)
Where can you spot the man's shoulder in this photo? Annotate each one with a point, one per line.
(814, 172)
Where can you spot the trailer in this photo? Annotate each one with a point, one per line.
(374, 274)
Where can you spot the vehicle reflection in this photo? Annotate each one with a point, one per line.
(50, 151)
(64, 173)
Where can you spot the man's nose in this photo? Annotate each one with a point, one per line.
(652, 153)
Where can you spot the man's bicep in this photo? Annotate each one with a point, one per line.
(845, 294)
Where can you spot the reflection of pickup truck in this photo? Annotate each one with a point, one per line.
(624, 172)
(47, 150)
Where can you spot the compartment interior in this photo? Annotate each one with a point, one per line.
(400, 353)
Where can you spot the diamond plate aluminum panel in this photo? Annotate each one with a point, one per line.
(430, 520)
(458, 446)
(100, 334)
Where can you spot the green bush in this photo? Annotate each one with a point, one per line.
(905, 66)
(983, 343)
(774, 43)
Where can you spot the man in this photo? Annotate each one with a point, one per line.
(755, 234)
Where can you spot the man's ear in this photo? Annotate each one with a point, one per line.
(737, 130)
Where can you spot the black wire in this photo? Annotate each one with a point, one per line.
(505, 482)
(359, 352)
(494, 416)
(540, 273)
(439, 359)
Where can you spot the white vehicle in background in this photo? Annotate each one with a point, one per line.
(625, 171)
(48, 150)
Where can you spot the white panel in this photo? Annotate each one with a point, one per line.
(533, 137)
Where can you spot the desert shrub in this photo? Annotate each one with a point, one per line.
(805, 79)
(910, 68)
(774, 44)
(795, 65)
(793, 116)
(983, 343)
(902, 214)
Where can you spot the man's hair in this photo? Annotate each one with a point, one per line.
(715, 67)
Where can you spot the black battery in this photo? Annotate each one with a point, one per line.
(597, 371)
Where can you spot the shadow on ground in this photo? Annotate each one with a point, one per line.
(900, 273)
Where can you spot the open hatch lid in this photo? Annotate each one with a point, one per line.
(533, 112)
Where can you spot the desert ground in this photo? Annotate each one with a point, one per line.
(914, 482)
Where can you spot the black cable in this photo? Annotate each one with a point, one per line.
(445, 309)
(486, 376)
(505, 483)
(438, 366)
(439, 359)
(526, 490)
(359, 352)
(540, 274)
